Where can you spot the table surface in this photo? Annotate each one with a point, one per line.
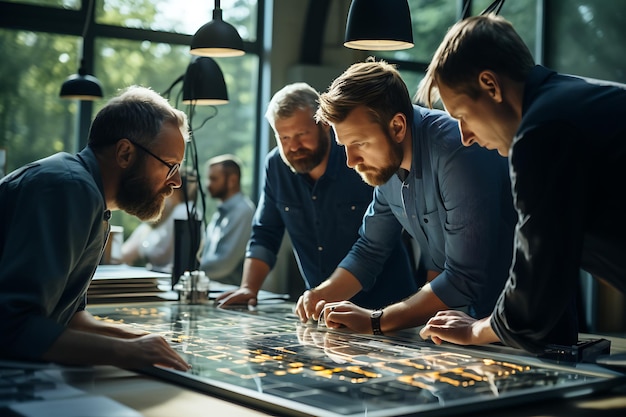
(154, 397)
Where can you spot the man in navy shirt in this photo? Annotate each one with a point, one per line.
(455, 201)
(54, 216)
(565, 138)
(311, 193)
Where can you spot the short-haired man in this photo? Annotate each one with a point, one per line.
(310, 193)
(565, 140)
(55, 222)
(454, 201)
(228, 231)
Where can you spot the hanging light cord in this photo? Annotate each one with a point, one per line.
(88, 18)
(493, 7)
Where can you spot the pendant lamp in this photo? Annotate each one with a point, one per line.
(203, 83)
(82, 86)
(377, 25)
(217, 38)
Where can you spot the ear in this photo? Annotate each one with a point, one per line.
(489, 83)
(397, 127)
(124, 154)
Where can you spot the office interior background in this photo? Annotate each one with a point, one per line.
(146, 42)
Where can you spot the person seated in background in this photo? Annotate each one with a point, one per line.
(152, 243)
(131, 161)
(310, 192)
(455, 201)
(565, 140)
(224, 246)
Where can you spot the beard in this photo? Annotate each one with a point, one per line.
(379, 176)
(304, 161)
(136, 197)
(219, 192)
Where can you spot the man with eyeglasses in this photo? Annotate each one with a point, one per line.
(55, 222)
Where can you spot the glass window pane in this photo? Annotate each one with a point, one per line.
(411, 79)
(587, 38)
(430, 20)
(35, 121)
(63, 4)
(178, 16)
(521, 13)
(228, 128)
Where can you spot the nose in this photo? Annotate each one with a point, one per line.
(352, 158)
(293, 144)
(467, 136)
(176, 181)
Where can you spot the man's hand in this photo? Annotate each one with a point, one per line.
(241, 295)
(76, 347)
(341, 285)
(347, 314)
(459, 328)
(149, 350)
(309, 305)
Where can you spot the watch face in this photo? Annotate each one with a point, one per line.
(376, 314)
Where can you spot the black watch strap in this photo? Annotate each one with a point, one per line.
(375, 317)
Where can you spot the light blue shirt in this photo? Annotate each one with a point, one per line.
(456, 203)
(225, 241)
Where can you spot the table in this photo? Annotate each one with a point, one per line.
(152, 396)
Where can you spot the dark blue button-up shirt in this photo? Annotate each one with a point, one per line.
(323, 219)
(54, 227)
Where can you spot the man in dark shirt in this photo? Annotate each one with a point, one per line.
(54, 225)
(311, 193)
(566, 142)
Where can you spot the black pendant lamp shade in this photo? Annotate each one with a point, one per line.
(203, 84)
(217, 38)
(379, 25)
(81, 86)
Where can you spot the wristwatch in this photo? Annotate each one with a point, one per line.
(375, 317)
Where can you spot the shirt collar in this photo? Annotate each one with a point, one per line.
(87, 157)
(416, 141)
(231, 202)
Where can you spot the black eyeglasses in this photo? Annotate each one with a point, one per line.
(173, 167)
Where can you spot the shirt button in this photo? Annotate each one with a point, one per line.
(286, 208)
(319, 248)
(314, 197)
(352, 208)
(425, 220)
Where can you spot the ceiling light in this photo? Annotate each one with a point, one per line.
(376, 25)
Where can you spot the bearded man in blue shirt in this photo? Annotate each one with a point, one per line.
(313, 195)
(455, 201)
(55, 216)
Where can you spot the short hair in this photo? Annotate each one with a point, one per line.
(472, 45)
(377, 85)
(231, 164)
(137, 113)
(292, 97)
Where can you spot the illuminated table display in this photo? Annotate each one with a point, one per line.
(269, 360)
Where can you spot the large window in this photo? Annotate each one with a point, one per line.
(143, 42)
(587, 38)
(432, 18)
